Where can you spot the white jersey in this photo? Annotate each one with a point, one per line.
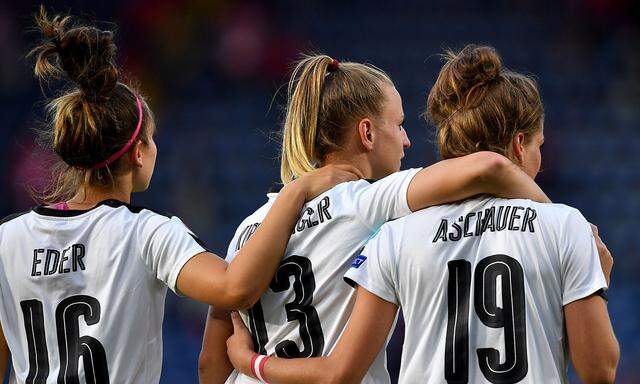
(82, 292)
(482, 285)
(308, 304)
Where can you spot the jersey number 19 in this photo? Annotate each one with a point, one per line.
(510, 316)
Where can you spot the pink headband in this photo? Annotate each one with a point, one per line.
(127, 146)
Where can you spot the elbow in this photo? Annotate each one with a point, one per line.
(493, 170)
(601, 372)
(343, 375)
(600, 376)
(242, 296)
(493, 165)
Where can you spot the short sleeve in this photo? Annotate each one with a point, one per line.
(581, 271)
(375, 268)
(383, 200)
(167, 246)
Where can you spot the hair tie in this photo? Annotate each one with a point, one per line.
(333, 66)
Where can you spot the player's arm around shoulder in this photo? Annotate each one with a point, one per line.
(466, 176)
(348, 362)
(592, 343)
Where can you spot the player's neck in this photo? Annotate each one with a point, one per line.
(359, 161)
(89, 196)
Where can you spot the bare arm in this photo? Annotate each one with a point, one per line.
(214, 365)
(209, 279)
(462, 177)
(347, 363)
(592, 344)
(4, 354)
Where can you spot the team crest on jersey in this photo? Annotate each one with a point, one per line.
(358, 261)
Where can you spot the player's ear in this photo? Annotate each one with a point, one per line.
(136, 154)
(517, 147)
(366, 133)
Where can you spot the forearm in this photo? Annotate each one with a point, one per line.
(213, 364)
(252, 269)
(463, 177)
(593, 346)
(505, 179)
(292, 371)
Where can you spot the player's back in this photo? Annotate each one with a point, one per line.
(83, 291)
(308, 304)
(482, 286)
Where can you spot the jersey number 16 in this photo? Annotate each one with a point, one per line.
(71, 345)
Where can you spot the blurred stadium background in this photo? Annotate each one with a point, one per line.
(214, 71)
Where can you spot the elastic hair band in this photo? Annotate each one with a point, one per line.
(333, 66)
(129, 143)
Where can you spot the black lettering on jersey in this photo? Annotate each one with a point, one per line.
(246, 234)
(78, 256)
(442, 231)
(36, 261)
(478, 223)
(61, 266)
(503, 214)
(527, 221)
(323, 209)
(70, 259)
(52, 256)
(457, 234)
(489, 217)
(312, 217)
(467, 218)
(308, 222)
(512, 218)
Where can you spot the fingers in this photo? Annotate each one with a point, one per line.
(238, 325)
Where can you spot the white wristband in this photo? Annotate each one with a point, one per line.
(257, 368)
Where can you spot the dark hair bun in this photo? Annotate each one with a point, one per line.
(85, 55)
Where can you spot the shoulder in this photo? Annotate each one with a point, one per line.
(560, 213)
(138, 209)
(13, 216)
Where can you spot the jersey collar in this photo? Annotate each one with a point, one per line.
(48, 211)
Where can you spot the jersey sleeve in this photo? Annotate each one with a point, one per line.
(383, 200)
(580, 264)
(167, 245)
(375, 268)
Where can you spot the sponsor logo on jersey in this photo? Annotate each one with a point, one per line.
(358, 261)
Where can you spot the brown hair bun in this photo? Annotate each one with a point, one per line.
(83, 54)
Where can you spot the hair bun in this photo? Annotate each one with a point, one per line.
(86, 55)
(475, 65)
(461, 82)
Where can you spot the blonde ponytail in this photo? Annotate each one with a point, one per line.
(324, 96)
(301, 124)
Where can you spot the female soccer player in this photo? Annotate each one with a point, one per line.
(344, 113)
(83, 281)
(486, 285)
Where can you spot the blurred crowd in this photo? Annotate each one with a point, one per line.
(214, 72)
